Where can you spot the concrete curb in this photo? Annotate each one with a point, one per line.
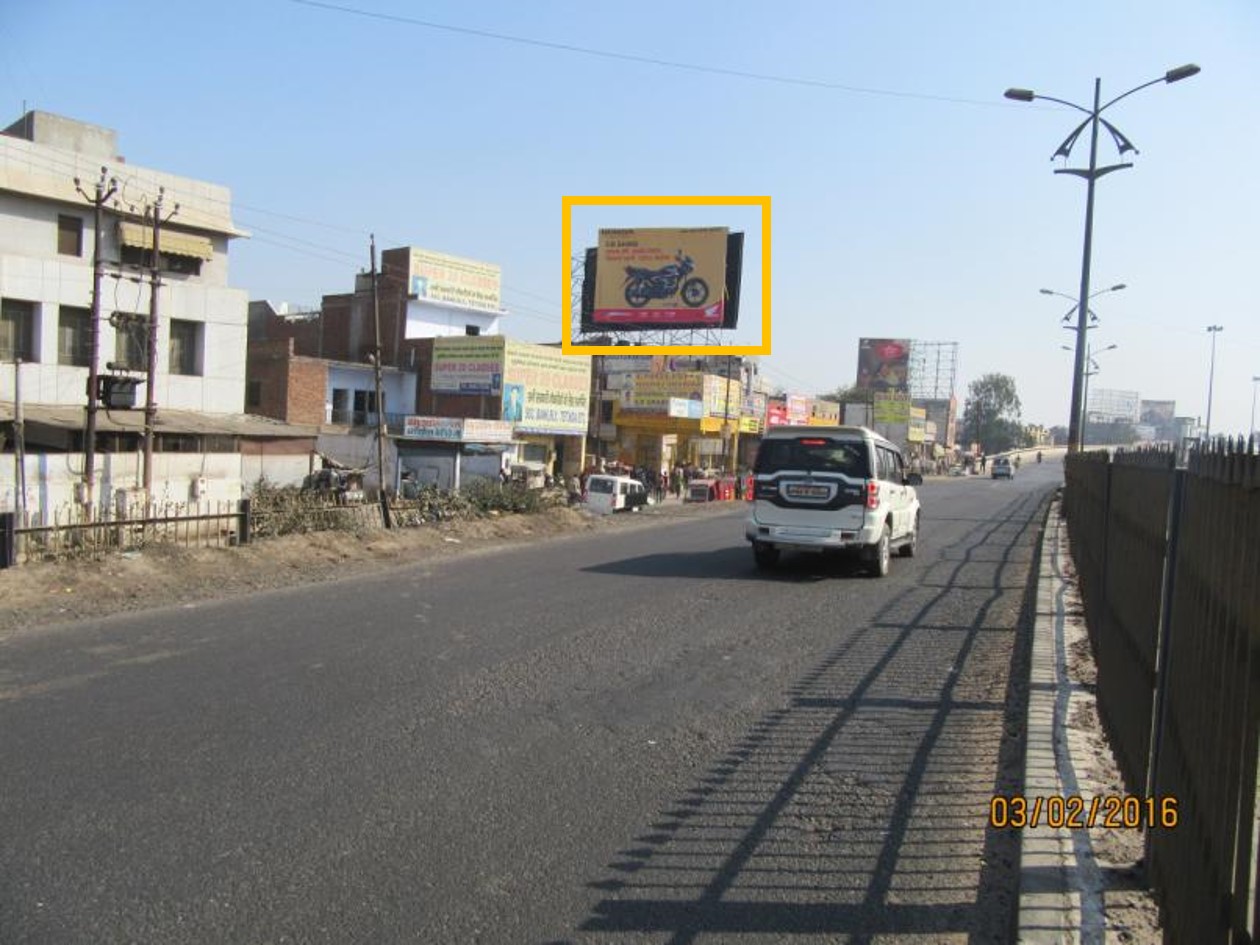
(1062, 891)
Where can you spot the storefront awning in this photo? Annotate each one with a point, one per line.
(171, 242)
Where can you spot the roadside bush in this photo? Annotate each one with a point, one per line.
(487, 496)
(287, 510)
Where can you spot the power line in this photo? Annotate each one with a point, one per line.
(646, 60)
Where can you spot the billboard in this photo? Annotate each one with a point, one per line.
(883, 364)
(457, 430)
(436, 277)
(892, 407)
(545, 390)
(468, 365)
(652, 279)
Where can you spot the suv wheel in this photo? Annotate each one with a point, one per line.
(766, 556)
(911, 546)
(881, 555)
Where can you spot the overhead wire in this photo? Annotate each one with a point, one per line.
(645, 59)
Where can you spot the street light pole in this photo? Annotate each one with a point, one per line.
(1091, 176)
(1254, 381)
(1213, 330)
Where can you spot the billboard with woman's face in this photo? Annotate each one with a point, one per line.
(883, 364)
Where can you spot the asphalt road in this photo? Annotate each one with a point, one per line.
(629, 736)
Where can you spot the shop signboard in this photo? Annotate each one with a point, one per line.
(685, 408)
(883, 364)
(545, 390)
(466, 365)
(446, 429)
(487, 431)
(916, 432)
(722, 396)
(749, 424)
(651, 393)
(776, 414)
(630, 363)
(798, 409)
(892, 407)
(453, 280)
(651, 278)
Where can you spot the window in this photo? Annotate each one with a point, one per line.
(74, 327)
(606, 411)
(253, 393)
(185, 347)
(472, 330)
(69, 235)
(143, 258)
(814, 454)
(130, 350)
(17, 330)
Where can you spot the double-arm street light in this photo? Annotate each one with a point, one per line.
(1091, 174)
(1093, 316)
(1090, 370)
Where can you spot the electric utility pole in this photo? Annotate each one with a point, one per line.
(380, 397)
(94, 332)
(150, 394)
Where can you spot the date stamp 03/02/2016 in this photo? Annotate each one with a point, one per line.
(1072, 811)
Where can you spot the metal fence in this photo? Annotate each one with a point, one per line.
(1169, 566)
(71, 532)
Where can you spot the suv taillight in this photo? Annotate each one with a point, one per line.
(872, 494)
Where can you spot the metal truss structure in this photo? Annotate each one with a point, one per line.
(933, 369)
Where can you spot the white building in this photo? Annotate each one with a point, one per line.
(46, 239)
(47, 233)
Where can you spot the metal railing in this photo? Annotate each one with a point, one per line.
(1169, 566)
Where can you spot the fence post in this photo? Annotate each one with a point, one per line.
(1159, 711)
(243, 522)
(8, 539)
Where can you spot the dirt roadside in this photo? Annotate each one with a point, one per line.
(47, 593)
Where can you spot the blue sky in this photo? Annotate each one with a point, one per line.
(910, 199)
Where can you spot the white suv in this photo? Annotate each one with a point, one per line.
(819, 489)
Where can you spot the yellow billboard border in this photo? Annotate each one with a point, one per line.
(567, 204)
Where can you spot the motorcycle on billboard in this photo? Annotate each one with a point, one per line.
(644, 285)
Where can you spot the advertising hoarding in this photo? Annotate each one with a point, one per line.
(665, 293)
(883, 364)
(892, 407)
(464, 365)
(457, 430)
(916, 432)
(798, 409)
(545, 390)
(469, 283)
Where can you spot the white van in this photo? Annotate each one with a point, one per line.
(819, 489)
(605, 494)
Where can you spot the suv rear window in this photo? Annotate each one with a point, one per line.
(816, 454)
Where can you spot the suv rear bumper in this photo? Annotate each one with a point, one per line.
(807, 538)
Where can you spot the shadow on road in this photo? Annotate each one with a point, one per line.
(859, 807)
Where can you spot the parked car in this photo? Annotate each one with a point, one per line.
(1002, 468)
(607, 494)
(832, 489)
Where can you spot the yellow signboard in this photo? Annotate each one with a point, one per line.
(440, 278)
(892, 407)
(465, 365)
(661, 277)
(545, 390)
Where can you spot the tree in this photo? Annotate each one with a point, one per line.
(844, 395)
(991, 416)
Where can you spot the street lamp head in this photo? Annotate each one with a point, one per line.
(1181, 72)
(1110, 347)
(1117, 288)
(1026, 95)
(1046, 291)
